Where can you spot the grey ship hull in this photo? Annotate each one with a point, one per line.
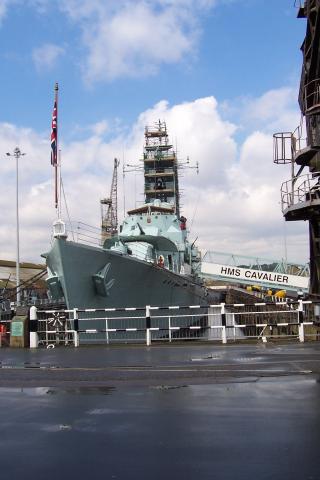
(91, 277)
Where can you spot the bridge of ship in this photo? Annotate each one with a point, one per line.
(266, 273)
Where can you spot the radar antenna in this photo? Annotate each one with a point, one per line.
(109, 208)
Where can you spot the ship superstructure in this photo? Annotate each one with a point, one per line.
(155, 231)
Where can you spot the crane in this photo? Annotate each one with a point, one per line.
(109, 213)
(300, 195)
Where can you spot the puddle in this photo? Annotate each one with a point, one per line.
(208, 357)
(45, 391)
(168, 387)
(80, 390)
(249, 359)
(102, 411)
(27, 365)
(56, 428)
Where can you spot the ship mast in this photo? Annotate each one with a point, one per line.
(109, 208)
(160, 167)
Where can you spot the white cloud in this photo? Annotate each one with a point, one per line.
(83, 185)
(134, 38)
(100, 128)
(46, 56)
(125, 38)
(233, 204)
(3, 8)
(274, 111)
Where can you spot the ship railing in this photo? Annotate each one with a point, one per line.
(139, 252)
(298, 319)
(165, 186)
(159, 171)
(84, 233)
(87, 234)
(299, 190)
(158, 155)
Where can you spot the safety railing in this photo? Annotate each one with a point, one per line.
(304, 188)
(155, 155)
(283, 147)
(158, 188)
(221, 322)
(84, 233)
(287, 145)
(89, 235)
(159, 171)
(312, 95)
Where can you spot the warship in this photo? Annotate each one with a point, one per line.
(149, 261)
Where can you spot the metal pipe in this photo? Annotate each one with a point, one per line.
(17, 154)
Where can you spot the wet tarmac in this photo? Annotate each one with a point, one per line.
(182, 411)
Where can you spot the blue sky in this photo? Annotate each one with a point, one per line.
(223, 73)
(243, 48)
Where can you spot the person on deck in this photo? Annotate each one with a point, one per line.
(159, 184)
(160, 261)
(183, 223)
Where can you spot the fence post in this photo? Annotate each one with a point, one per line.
(234, 326)
(169, 326)
(148, 326)
(301, 318)
(33, 335)
(76, 327)
(107, 331)
(223, 323)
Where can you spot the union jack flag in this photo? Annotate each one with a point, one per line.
(54, 136)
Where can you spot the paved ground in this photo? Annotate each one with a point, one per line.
(140, 365)
(183, 411)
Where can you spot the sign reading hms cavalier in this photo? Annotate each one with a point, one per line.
(254, 276)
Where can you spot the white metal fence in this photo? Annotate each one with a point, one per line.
(221, 322)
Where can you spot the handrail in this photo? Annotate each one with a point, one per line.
(298, 190)
(312, 94)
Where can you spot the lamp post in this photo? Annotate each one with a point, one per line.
(17, 154)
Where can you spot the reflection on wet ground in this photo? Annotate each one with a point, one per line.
(156, 365)
(102, 414)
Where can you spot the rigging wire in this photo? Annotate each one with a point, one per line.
(60, 181)
(194, 212)
(123, 185)
(67, 210)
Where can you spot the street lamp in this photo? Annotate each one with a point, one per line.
(17, 154)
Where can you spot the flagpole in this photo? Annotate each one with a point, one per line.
(56, 89)
(59, 184)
